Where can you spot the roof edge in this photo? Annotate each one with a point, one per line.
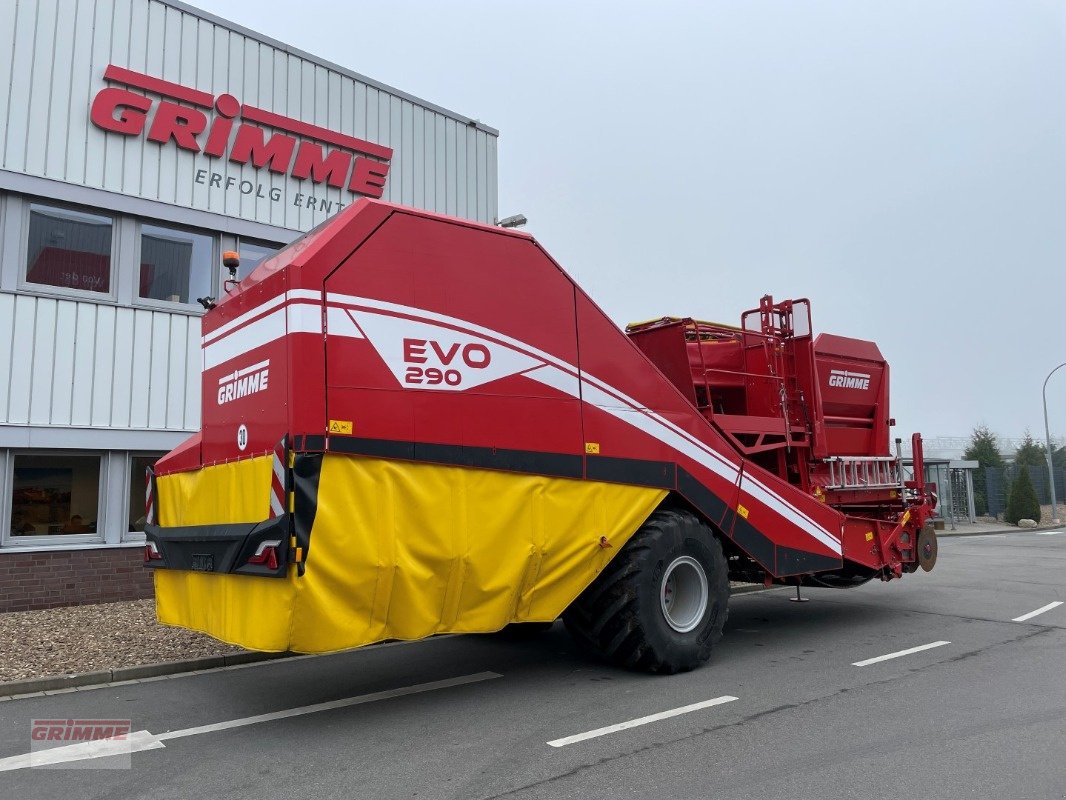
(262, 37)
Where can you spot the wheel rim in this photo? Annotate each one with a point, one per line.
(684, 594)
(927, 549)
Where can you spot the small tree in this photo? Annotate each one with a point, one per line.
(1022, 503)
(985, 451)
(1030, 453)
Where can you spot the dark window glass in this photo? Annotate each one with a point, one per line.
(69, 249)
(252, 254)
(138, 484)
(175, 264)
(55, 495)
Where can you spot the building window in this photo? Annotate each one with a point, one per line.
(252, 254)
(176, 264)
(55, 495)
(69, 249)
(138, 465)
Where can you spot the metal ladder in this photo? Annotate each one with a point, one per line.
(864, 472)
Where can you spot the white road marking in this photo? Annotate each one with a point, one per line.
(899, 653)
(144, 740)
(330, 705)
(135, 742)
(1048, 533)
(633, 723)
(1040, 610)
(231, 667)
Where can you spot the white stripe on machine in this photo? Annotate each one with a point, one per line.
(232, 340)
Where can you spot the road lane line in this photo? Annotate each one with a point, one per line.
(88, 687)
(330, 705)
(1048, 533)
(144, 740)
(1039, 611)
(907, 652)
(633, 723)
(135, 742)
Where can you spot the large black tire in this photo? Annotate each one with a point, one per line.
(622, 615)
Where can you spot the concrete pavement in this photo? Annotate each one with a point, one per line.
(472, 717)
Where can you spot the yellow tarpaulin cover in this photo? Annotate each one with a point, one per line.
(402, 551)
(235, 492)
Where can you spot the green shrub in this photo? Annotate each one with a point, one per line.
(1022, 503)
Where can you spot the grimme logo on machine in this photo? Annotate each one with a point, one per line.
(244, 382)
(426, 356)
(292, 148)
(842, 379)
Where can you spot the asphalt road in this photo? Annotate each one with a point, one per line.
(981, 714)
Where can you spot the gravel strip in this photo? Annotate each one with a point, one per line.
(63, 641)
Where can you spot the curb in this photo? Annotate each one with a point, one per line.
(755, 587)
(998, 531)
(59, 683)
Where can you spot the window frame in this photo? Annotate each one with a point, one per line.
(127, 535)
(10, 541)
(170, 305)
(277, 248)
(65, 292)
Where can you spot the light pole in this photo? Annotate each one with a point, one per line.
(1047, 437)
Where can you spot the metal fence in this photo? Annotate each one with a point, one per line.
(998, 481)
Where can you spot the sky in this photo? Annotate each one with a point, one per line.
(901, 164)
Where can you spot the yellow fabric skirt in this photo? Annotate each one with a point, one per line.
(398, 550)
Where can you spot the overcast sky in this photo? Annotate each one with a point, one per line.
(902, 164)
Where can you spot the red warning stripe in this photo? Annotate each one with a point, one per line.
(277, 481)
(149, 497)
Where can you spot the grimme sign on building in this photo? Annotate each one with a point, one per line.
(158, 101)
(199, 122)
(139, 140)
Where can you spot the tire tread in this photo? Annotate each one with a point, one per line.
(610, 617)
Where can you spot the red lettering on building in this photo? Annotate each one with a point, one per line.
(132, 111)
(218, 138)
(251, 144)
(322, 155)
(332, 168)
(368, 177)
(178, 123)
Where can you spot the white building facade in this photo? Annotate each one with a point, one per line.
(141, 139)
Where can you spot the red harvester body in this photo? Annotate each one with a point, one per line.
(398, 337)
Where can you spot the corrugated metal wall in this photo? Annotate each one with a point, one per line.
(93, 365)
(55, 55)
(88, 364)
